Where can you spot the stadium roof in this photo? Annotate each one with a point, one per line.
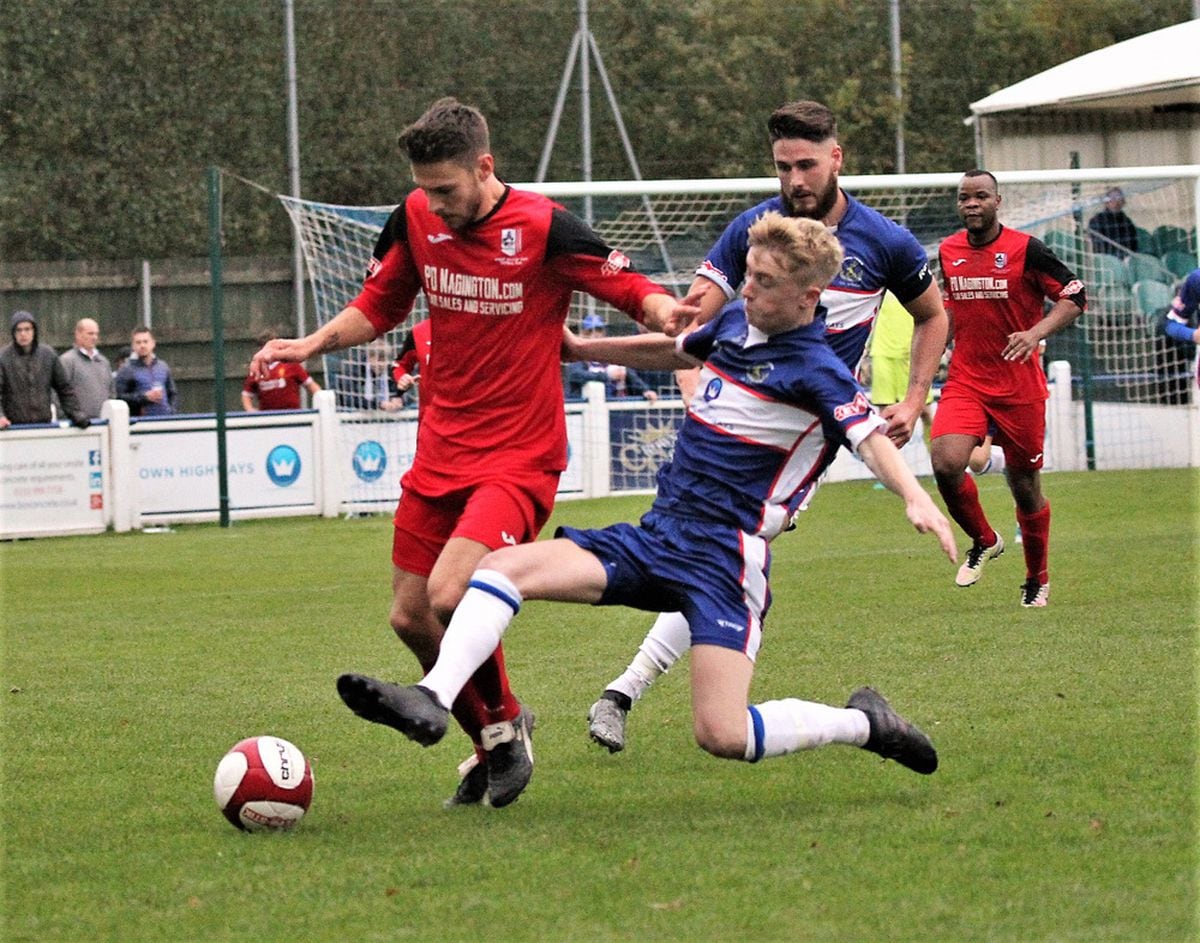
(1158, 68)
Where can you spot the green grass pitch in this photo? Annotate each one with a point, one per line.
(1065, 807)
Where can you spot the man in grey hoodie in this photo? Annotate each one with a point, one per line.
(29, 371)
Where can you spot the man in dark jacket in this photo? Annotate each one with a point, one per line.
(28, 373)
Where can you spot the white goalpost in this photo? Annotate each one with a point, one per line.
(1134, 391)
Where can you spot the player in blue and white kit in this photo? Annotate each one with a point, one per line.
(1178, 322)
(878, 255)
(773, 402)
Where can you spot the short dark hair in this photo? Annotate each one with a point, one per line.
(449, 130)
(977, 172)
(141, 329)
(808, 120)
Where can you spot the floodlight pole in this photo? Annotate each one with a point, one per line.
(293, 136)
(583, 47)
(898, 83)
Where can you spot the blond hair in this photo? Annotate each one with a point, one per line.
(805, 247)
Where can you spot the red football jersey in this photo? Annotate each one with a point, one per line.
(995, 290)
(280, 388)
(413, 359)
(498, 295)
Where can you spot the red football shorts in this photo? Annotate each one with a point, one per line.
(510, 511)
(1018, 428)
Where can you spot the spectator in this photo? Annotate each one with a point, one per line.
(1111, 231)
(88, 371)
(369, 385)
(618, 381)
(280, 388)
(123, 355)
(145, 381)
(29, 371)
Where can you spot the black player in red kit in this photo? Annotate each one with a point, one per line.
(498, 267)
(995, 280)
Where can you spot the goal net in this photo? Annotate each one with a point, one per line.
(1133, 385)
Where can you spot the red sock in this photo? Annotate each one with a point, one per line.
(967, 512)
(1035, 531)
(490, 680)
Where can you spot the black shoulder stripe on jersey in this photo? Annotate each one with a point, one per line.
(394, 230)
(570, 235)
(1039, 258)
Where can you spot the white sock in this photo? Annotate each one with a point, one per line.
(486, 609)
(998, 460)
(775, 728)
(667, 640)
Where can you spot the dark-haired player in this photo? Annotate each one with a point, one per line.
(995, 281)
(498, 267)
(879, 255)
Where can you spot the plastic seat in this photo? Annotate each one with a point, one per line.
(1179, 264)
(1144, 268)
(1152, 297)
(1109, 268)
(1170, 239)
(1066, 245)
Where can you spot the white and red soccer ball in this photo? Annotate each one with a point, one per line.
(264, 784)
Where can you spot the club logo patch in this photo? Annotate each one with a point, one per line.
(510, 241)
(615, 263)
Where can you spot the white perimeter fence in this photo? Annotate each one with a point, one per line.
(124, 474)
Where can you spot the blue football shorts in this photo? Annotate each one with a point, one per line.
(715, 574)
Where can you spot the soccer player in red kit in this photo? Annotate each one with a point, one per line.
(412, 363)
(995, 280)
(279, 388)
(498, 267)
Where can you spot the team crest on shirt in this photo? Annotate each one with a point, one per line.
(1001, 259)
(510, 241)
(759, 372)
(615, 263)
(853, 270)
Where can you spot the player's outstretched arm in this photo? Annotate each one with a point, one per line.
(886, 463)
(640, 351)
(348, 329)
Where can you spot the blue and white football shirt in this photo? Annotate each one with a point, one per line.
(767, 418)
(879, 255)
